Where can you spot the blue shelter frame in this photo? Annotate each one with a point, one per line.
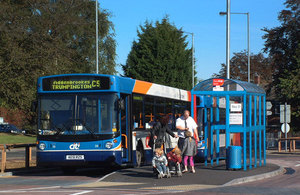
(228, 109)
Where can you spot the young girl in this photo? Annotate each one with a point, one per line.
(160, 162)
(189, 151)
(174, 160)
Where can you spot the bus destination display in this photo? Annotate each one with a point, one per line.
(68, 83)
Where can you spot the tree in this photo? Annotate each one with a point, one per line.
(160, 55)
(42, 37)
(289, 87)
(259, 66)
(282, 45)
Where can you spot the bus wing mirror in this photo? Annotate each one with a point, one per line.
(121, 104)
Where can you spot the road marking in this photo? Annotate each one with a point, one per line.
(155, 192)
(83, 192)
(182, 187)
(105, 176)
(49, 191)
(106, 184)
(8, 176)
(18, 190)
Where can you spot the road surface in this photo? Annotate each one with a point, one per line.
(91, 181)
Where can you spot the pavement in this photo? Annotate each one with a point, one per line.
(205, 177)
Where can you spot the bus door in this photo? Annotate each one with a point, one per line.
(125, 128)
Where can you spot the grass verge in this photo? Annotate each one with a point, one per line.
(7, 138)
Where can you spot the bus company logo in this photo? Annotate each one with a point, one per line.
(74, 146)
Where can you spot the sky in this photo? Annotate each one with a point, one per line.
(200, 17)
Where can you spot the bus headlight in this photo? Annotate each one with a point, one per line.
(42, 146)
(108, 145)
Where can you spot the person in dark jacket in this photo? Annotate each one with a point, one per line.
(189, 151)
(159, 131)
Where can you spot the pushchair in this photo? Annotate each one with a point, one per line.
(155, 170)
(175, 169)
(174, 166)
(159, 176)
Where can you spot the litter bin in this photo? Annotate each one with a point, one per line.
(234, 157)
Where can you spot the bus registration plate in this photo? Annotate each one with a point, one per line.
(75, 157)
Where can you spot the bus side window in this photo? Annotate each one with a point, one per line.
(137, 111)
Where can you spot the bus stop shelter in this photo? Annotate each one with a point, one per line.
(231, 113)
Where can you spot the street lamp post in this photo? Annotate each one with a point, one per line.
(248, 41)
(193, 63)
(228, 38)
(193, 57)
(97, 62)
(248, 37)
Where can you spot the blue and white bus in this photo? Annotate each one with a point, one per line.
(97, 120)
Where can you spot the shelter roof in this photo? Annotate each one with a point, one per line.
(224, 84)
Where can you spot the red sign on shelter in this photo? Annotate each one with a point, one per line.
(218, 82)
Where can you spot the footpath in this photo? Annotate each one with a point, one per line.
(205, 177)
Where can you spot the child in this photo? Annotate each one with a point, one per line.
(189, 151)
(174, 160)
(160, 162)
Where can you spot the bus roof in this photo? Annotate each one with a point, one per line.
(77, 83)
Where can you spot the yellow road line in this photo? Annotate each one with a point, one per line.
(106, 184)
(8, 176)
(181, 187)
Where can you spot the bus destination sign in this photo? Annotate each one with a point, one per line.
(75, 83)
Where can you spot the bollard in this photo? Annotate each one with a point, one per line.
(3, 161)
(27, 156)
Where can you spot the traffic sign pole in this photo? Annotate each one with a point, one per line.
(285, 126)
(269, 105)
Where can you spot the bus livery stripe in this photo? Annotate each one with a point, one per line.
(141, 87)
(189, 96)
(118, 147)
(195, 109)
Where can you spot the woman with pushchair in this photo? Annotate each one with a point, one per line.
(159, 131)
(157, 140)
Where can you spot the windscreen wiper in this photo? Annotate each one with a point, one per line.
(91, 132)
(60, 128)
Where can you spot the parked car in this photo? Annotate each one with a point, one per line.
(9, 128)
